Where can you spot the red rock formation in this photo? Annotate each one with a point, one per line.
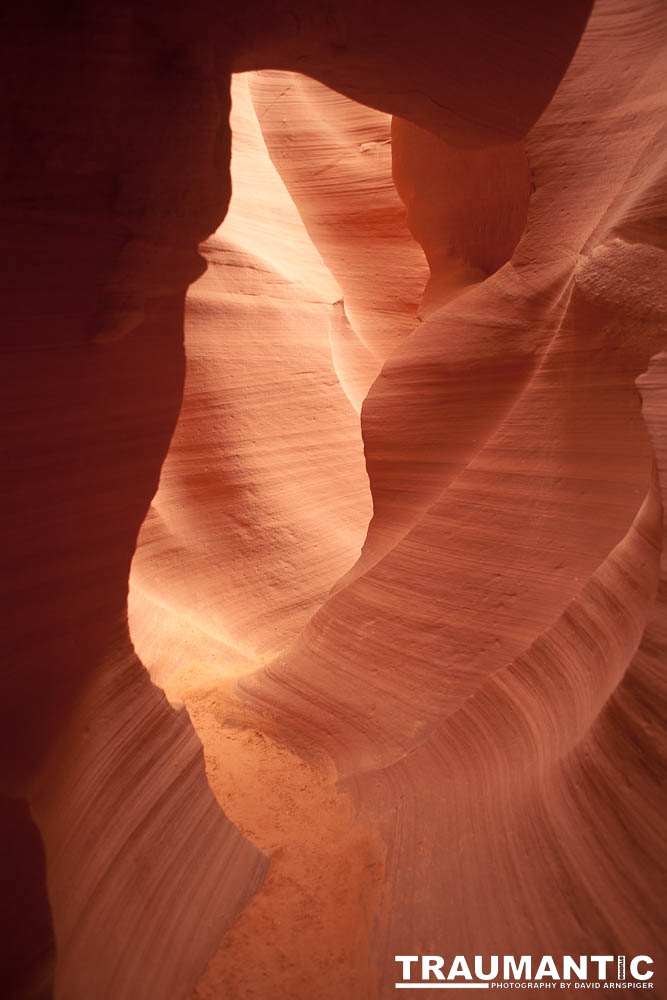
(263, 502)
(445, 735)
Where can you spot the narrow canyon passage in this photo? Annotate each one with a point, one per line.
(264, 504)
(336, 381)
(268, 537)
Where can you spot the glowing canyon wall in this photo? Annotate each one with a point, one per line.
(336, 608)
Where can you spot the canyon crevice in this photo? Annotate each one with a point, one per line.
(335, 391)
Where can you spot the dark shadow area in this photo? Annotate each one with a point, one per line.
(27, 943)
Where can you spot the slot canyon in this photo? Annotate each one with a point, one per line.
(335, 452)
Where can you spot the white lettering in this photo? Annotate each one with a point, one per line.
(602, 961)
(547, 967)
(406, 961)
(479, 967)
(634, 967)
(523, 967)
(459, 967)
(432, 964)
(579, 968)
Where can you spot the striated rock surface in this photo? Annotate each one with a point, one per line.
(263, 501)
(481, 676)
(390, 483)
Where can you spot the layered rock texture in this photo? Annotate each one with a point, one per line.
(336, 608)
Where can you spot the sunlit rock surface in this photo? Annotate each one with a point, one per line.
(386, 489)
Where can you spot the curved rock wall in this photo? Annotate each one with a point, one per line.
(405, 564)
(263, 499)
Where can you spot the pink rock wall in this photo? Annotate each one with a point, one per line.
(391, 485)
